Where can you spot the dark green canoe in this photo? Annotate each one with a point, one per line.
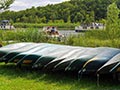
(64, 63)
(8, 48)
(54, 62)
(44, 60)
(42, 54)
(64, 58)
(67, 54)
(95, 63)
(35, 48)
(110, 66)
(13, 53)
(78, 63)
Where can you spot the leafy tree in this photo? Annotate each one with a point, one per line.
(71, 11)
(5, 4)
(112, 25)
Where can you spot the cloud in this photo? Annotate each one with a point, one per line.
(24, 4)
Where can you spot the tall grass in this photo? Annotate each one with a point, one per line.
(23, 35)
(95, 39)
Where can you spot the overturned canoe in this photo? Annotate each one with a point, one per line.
(22, 55)
(64, 63)
(43, 55)
(111, 66)
(39, 55)
(64, 56)
(92, 65)
(78, 63)
(13, 53)
(8, 48)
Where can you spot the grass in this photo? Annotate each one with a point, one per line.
(95, 39)
(89, 39)
(63, 26)
(12, 78)
(23, 35)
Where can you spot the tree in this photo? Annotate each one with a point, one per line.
(5, 4)
(112, 25)
(72, 11)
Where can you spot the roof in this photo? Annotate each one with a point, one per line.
(5, 21)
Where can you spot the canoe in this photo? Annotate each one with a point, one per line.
(42, 54)
(64, 63)
(67, 54)
(8, 48)
(111, 66)
(13, 53)
(54, 57)
(92, 65)
(34, 49)
(78, 63)
(44, 60)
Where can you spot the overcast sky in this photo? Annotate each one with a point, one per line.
(24, 4)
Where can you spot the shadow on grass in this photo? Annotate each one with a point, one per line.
(87, 83)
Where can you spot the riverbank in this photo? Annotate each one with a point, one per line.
(60, 26)
(87, 39)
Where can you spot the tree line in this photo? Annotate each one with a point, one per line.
(73, 11)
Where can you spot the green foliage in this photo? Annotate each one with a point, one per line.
(112, 25)
(94, 39)
(58, 23)
(72, 11)
(23, 35)
(4, 4)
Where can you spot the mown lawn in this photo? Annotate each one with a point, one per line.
(12, 78)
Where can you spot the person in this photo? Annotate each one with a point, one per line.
(47, 30)
(53, 30)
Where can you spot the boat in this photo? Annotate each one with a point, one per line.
(78, 63)
(65, 55)
(89, 27)
(64, 63)
(113, 65)
(51, 56)
(45, 59)
(52, 32)
(8, 48)
(40, 54)
(13, 53)
(92, 65)
(25, 53)
(44, 55)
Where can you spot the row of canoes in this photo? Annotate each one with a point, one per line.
(53, 57)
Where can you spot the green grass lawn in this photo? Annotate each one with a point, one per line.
(12, 78)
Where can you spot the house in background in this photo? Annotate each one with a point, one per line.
(5, 24)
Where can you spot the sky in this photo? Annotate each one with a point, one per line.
(24, 4)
